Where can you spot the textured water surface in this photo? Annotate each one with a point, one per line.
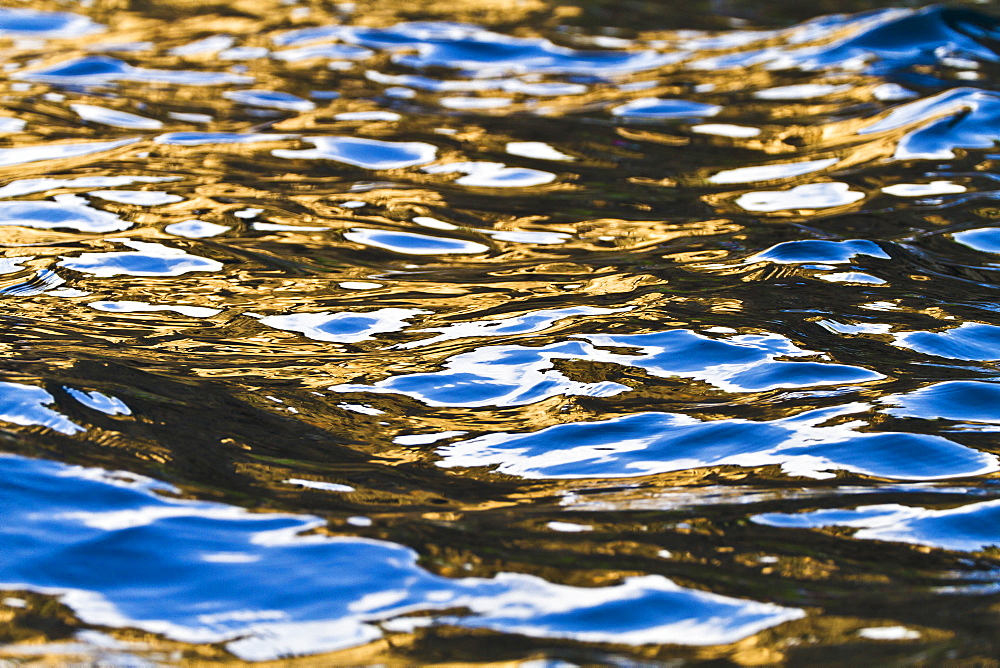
(501, 332)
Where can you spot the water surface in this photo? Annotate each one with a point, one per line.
(411, 335)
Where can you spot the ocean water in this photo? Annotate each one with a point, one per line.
(502, 333)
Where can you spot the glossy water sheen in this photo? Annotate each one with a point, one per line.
(467, 333)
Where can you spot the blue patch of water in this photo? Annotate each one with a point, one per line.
(986, 239)
(17, 22)
(119, 554)
(652, 443)
(363, 152)
(652, 108)
(820, 251)
(66, 212)
(102, 70)
(971, 341)
(269, 99)
(148, 259)
(968, 528)
(957, 118)
(951, 400)
(467, 47)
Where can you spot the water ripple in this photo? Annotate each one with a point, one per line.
(307, 593)
(520, 333)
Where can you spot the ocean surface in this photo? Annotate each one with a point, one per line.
(499, 332)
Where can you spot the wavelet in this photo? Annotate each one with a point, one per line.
(146, 259)
(517, 334)
(967, 528)
(469, 47)
(363, 152)
(309, 593)
(66, 212)
(99, 70)
(653, 443)
(18, 22)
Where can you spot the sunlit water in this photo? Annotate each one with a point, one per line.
(425, 341)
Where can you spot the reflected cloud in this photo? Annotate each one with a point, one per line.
(654, 108)
(726, 130)
(114, 117)
(320, 485)
(957, 118)
(205, 138)
(375, 115)
(17, 22)
(28, 405)
(258, 583)
(924, 189)
(137, 197)
(535, 321)
(513, 375)
(66, 212)
(204, 47)
(971, 341)
(143, 307)
(99, 401)
(970, 400)
(800, 91)
(808, 196)
(269, 99)
(880, 42)
(10, 125)
(652, 443)
(330, 51)
(57, 151)
(98, 70)
(496, 376)
(537, 150)
(819, 251)
(361, 152)
(985, 239)
(492, 174)
(770, 172)
(507, 84)
(464, 103)
(409, 243)
(740, 363)
(471, 48)
(195, 229)
(147, 259)
(31, 186)
(343, 327)
(968, 528)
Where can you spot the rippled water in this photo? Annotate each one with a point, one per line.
(487, 333)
